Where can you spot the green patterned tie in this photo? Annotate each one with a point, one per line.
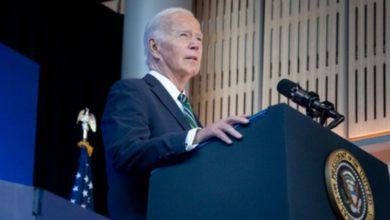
(187, 110)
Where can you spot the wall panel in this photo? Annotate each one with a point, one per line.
(228, 83)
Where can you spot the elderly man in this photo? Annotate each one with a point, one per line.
(149, 121)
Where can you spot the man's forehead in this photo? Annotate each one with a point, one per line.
(177, 29)
(185, 25)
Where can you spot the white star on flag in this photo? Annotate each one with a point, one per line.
(82, 189)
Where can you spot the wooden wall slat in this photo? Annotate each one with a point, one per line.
(308, 34)
(229, 78)
(371, 85)
(314, 55)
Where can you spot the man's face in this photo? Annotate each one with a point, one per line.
(181, 49)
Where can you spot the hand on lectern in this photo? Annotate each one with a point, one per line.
(222, 130)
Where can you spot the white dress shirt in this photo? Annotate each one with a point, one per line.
(174, 92)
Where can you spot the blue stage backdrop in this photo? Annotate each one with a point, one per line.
(18, 109)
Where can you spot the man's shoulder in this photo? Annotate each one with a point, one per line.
(129, 84)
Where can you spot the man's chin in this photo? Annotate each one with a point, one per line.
(189, 72)
(194, 73)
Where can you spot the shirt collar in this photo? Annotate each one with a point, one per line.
(167, 84)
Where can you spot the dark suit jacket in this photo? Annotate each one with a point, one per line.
(142, 128)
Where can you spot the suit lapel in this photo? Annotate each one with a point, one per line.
(166, 100)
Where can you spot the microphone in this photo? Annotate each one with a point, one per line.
(310, 101)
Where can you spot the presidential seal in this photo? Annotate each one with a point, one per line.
(348, 187)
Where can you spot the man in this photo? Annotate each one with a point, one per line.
(149, 121)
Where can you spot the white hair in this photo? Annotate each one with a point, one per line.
(156, 28)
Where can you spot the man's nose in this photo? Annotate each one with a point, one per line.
(195, 44)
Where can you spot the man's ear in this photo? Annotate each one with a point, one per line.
(153, 48)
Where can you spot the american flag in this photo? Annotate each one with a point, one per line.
(82, 191)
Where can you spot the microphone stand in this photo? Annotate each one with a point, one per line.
(323, 111)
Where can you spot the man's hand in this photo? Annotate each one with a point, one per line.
(221, 129)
